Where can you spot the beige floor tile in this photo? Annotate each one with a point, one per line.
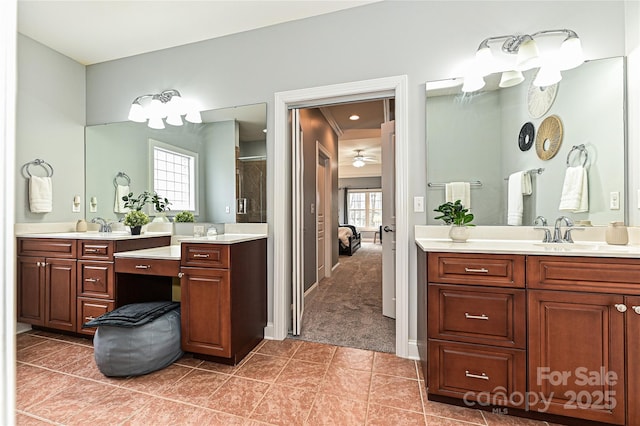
(358, 359)
(261, 367)
(348, 383)
(302, 374)
(238, 396)
(397, 392)
(333, 410)
(157, 381)
(284, 348)
(196, 387)
(315, 352)
(394, 366)
(284, 406)
(454, 412)
(379, 415)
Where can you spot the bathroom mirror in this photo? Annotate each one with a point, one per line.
(482, 138)
(229, 148)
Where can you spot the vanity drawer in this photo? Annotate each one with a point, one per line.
(491, 316)
(139, 266)
(47, 247)
(95, 250)
(591, 274)
(205, 255)
(462, 370)
(476, 269)
(89, 309)
(95, 279)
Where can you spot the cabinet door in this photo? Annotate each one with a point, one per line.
(60, 294)
(31, 276)
(633, 360)
(205, 311)
(576, 355)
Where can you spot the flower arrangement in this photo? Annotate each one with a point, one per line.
(136, 218)
(160, 204)
(454, 214)
(184, 216)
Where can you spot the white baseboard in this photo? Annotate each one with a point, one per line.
(269, 332)
(413, 350)
(22, 327)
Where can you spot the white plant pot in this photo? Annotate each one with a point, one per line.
(459, 234)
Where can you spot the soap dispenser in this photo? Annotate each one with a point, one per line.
(81, 226)
(616, 233)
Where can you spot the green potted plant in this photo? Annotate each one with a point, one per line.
(160, 205)
(456, 215)
(183, 217)
(136, 219)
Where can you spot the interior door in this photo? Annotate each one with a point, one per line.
(388, 140)
(320, 218)
(297, 222)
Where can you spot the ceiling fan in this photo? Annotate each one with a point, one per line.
(360, 160)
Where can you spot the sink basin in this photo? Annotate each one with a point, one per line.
(583, 247)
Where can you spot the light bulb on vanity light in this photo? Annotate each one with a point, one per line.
(137, 113)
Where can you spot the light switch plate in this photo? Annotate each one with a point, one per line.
(418, 204)
(614, 200)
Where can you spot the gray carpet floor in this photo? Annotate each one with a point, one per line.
(346, 309)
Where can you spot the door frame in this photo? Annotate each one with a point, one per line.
(396, 87)
(322, 152)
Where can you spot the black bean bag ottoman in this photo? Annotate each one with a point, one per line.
(137, 339)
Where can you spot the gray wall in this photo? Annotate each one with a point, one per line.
(315, 128)
(50, 119)
(423, 40)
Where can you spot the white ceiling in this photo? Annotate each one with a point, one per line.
(93, 31)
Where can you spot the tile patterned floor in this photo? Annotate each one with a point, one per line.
(288, 382)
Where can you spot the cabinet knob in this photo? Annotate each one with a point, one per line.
(180, 274)
(636, 309)
(621, 307)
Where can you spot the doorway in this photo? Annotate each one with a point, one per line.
(284, 235)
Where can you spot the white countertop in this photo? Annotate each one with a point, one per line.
(528, 247)
(165, 253)
(93, 235)
(524, 240)
(221, 238)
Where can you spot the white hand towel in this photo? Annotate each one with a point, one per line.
(519, 185)
(121, 191)
(40, 194)
(458, 191)
(575, 190)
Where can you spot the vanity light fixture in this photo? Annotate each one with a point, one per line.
(527, 56)
(169, 105)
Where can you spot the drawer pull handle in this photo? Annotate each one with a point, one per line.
(467, 315)
(481, 270)
(90, 250)
(621, 307)
(91, 280)
(89, 318)
(143, 266)
(636, 309)
(482, 376)
(201, 255)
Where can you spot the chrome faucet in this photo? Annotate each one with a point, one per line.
(557, 232)
(104, 227)
(540, 224)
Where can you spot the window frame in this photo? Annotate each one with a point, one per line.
(367, 209)
(153, 144)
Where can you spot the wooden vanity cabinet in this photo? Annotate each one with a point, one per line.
(96, 275)
(476, 335)
(223, 298)
(582, 322)
(46, 279)
(63, 283)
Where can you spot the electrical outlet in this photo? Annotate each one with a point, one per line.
(614, 200)
(75, 208)
(227, 209)
(418, 204)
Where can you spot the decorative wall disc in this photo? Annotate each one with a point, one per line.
(549, 137)
(540, 99)
(525, 139)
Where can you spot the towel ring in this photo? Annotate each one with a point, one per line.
(38, 162)
(122, 175)
(581, 150)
